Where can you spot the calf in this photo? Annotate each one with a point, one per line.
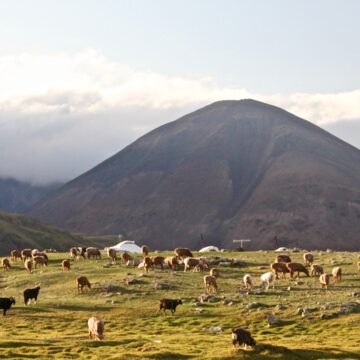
(337, 274)
(297, 267)
(6, 303)
(15, 254)
(242, 337)
(214, 272)
(31, 294)
(168, 304)
(183, 253)
(316, 270)
(171, 262)
(324, 280)
(210, 283)
(280, 267)
(267, 279)
(65, 265)
(28, 265)
(82, 281)
(158, 261)
(147, 263)
(309, 259)
(248, 281)
(96, 328)
(145, 250)
(6, 264)
(283, 258)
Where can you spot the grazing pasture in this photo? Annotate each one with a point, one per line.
(127, 298)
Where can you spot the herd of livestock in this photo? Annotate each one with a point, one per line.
(33, 258)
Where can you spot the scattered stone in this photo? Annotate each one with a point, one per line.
(299, 283)
(216, 329)
(225, 263)
(198, 310)
(289, 288)
(272, 320)
(132, 281)
(227, 302)
(107, 265)
(325, 307)
(160, 286)
(110, 288)
(253, 305)
(280, 307)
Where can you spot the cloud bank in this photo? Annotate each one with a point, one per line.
(61, 114)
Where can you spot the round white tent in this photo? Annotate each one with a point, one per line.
(209, 248)
(128, 246)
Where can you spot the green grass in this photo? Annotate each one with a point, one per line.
(56, 327)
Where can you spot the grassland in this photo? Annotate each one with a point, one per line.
(56, 327)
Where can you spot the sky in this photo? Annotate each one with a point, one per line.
(79, 80)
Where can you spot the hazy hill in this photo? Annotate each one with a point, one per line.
(233, 169)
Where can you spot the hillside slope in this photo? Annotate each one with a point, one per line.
(234, 169)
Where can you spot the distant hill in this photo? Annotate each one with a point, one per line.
(19, 196)
(233, 169)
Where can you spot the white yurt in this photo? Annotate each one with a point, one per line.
(128, 246)
(209, 248)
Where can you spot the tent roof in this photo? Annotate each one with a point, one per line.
(209, 248)
(128, 246)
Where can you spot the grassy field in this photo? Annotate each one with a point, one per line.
(56, 327)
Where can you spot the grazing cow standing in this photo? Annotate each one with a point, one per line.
(242, 337)
(15, 254)
(96, 328)
(76, 252)
(40, 260)
(65, 265)
(283, 258)
(267, 279)
(82, 281)
(125, 257)
(28, 265)
(26, 254)
(147, 263)
(168, 304)
(111, 255)
(93, 252)
(6, 264)
(316, 270)
(31, 294)
(280, 267)
(183, 253)
(297, 267)
(248, 281)
(210, 283)
(337, 274)
(309, 259)
(158, 261)
(145, 250)
(172, 262)
(6, 303)
(324, 280)
(214, 272)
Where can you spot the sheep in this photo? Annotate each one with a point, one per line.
(40, 260)
(65, 265)
(168, 304)
(267, 279)
(337, 274)
(242, 337)
(283, 258)
(316, 270)
(6, 303)
(172, 262)
(248, 281)
(324, 280)
(125, 257)
(297, 267)
(28, 265)
(147, 263)
(280, 267)
(309, 259)
(15, 254)
(182, 253)
(214, 272)
(82, 281)
(210, 283)
(31, 294)
(145, 250)
(111, 253)
(96, 328)
(25, 254)
(158, 261)
(93, 252)
(6, 264)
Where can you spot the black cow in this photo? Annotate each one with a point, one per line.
(167, 304)
(5, 304)
(31, 294)
(242, 337)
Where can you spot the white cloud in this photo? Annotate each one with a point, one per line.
(61, 114)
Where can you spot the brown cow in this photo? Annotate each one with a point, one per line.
(337, 273)
(77, 252)
(324, 280)
(158, 261)
(111, 255)
(6, 264)
(172, 262)
(309, 259)
(183, 253)
(125, 257)
(93, 252)
(197, 263)
(214, 272)
(283, 258)
(15, 254)
(210, 283)
(297, 267)
(280, 267)
(147, 263)
(28, 265)
(40, 260)
(316, 270)
(26, 254)
(82, 281)
(145, 250)
(65, 265)
(96, 328)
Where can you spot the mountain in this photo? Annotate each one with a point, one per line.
(19, 196)
(231, 170)
(19, 232)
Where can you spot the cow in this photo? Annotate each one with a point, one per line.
(283, 258)
(82, 281)
(6, 264)
(248, 281)
(242, 337)
(280, 267)
(147, 263)
(309, 259)
(125, 257)
(31, 294)
(267, 279)
(96, 328)
(77, 252)
(28, 265)
(214, 272)
(168, 304)
(337, 274)
(15, 254)
(26, 254)
(182, 253)
(6, 303)
(93, 252)
(192, 262)
(210, 283)
(171, 262)
(297, 267)
(145, 250)
(40, 260)
(65, 265)
(324, 280)
(111, 253)
(158, 261)
(316, 270)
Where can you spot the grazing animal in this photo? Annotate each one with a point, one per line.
(324, 280)
(158, 261)
(171, 262)
(337, 274)
(316, 270)
(147, 263)
(280, 267)
(145, 250)
(168, 304)
(77, 252)
(93, 252)
(31, 294)
(6, 264)
(96, 328)
(15, 254)
(242, 337)
(82, 281)
(309, 259)
(65, 265)
(6, 303)
(210, 283)
(214, 272)
(283, 258)
(26, 254)
(248, 281)
(34, 252)
(267, 279)
(297, 267)
(40, 260)
(28, 265)
(183, 253)
(125, 257)
(42, 254)
(111, 253)
(191, 262)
